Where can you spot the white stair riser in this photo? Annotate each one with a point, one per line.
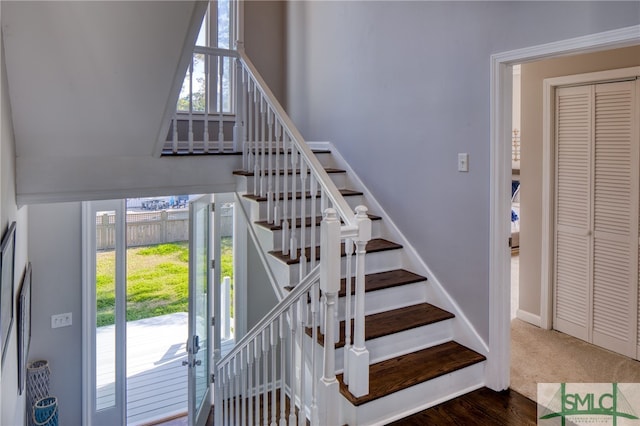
(388, 298)
(325, 158)
(374, 262)
(402, 343)
(276, 236)
(259, 210)
(248, 183)
(415, 398)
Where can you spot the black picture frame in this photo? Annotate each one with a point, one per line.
(7, 253)
(24, 327)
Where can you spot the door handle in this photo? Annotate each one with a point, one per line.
(196, 344)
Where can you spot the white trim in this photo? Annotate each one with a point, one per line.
(58, 197)
(463, 330)
(528, 317)
(498, 363)
(548, 167)
(89, 368)
(88, 296)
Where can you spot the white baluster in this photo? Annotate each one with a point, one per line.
(251, 390)
(348, 248)
(302, 312)
(256, 143)
(218, 396)
(274, 388)
(270, 195)
(227, 378)
(220, 104)
(329, 285)
(303, 217)
(265, 378)
(293, 421)
(293, 245)
(283, 371)
(276, 210)
(243, 387)
(313, 187)
(285, 195)
(315, 296)
(256, 393)
(263, 144)
(359, 362)
(250, 129)
(236, 366)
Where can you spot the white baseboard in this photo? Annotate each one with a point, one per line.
(529, 317)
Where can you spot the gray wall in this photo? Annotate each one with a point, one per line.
(55, 250)
(532, 76)
(12, 405)
(402, 87)
(260, 295)
(264, 39)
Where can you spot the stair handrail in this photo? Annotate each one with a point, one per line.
(293, 296)
(263, 131)
(350, 227)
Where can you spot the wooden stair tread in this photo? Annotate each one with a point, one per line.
(329, 170)
(382, 280)
(404, 371)
(374, 245)
(394, 321)
(344, 192)
(307, 223)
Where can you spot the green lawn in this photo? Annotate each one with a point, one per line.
(157, 280)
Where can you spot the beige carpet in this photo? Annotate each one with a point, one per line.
(551, 357)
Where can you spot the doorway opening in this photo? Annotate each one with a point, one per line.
(498, 365)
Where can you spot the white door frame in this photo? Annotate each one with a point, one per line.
(498, 363)
(89, 367)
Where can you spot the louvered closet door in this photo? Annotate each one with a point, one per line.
(597, 215)
(615, 219)
(572, 300)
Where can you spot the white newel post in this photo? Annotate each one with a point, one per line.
(328, 387)
(358, 354)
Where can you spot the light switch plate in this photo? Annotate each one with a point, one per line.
(463, 162)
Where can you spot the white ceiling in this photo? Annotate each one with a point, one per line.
(92, 78)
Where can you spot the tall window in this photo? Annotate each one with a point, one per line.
(207, 86)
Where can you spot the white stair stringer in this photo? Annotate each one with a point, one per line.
(464, 332)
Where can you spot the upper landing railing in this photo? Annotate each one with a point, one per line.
(226, 107)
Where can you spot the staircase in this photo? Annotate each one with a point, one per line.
(360, 336)
(415, 361)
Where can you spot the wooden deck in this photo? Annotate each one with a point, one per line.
(156, 379)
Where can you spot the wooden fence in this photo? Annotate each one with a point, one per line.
(149, 228)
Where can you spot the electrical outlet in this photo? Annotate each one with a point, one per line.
(61, 320)
(463, 162)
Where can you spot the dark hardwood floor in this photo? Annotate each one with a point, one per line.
(481, 407)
